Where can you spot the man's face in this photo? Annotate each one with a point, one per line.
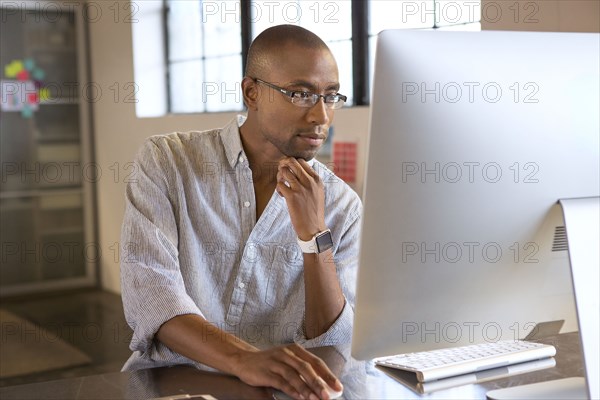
(288, 129)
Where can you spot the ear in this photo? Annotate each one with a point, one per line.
(250, 93)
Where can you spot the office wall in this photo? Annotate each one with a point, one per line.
(541, 15)
(119, 133)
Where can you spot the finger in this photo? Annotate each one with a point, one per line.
(318, 365)
(307, 168)
(280, 177)
(285, 163)
(283, 189)
(288, 175)
(313, 370)
(324, 372)
(294, 167)
(299, 170)
(306, 173)
(288, 377)
(287, 180)
(278, 382)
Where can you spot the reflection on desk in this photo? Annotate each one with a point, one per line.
(361, 380)
(410, 380)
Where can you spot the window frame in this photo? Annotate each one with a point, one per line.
(360, 19)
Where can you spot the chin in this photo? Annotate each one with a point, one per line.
(306, 156)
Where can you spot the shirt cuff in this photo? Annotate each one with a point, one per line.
(157, 307)
(339, 333)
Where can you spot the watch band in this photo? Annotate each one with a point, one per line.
(319, 243)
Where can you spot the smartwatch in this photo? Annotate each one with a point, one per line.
(319, 243)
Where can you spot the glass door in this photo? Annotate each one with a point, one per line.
(46, 199)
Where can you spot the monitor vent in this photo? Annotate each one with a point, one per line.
(560, 239)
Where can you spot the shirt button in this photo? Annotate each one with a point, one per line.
(241, 159)
(246, 204)
(241, 285)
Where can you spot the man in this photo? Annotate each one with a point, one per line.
(214, 274)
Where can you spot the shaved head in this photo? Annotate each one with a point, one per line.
(267, 46)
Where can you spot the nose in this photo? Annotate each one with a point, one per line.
(319, 113)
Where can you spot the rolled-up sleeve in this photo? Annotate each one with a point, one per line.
(346, 261)
(153, 289)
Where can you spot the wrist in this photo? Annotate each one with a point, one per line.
(236, 363)
(318, 243)
(308, 233)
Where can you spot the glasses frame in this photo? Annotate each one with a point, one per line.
(315, 96)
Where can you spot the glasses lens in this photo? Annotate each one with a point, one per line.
(335, 101)
(304, 99)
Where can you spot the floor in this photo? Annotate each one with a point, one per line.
(91, 320)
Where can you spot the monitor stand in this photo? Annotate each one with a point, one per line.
(582, 223)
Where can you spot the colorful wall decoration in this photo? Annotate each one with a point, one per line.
(23, 89)
(344, 160)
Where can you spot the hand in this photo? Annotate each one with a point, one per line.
(304, 194)
(291, 369)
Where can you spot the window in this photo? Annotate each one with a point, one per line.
(420, 14)
(204, 53)
(206, 41)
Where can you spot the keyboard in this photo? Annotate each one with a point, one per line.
(444, 363)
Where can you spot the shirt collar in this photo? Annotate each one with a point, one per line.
(232, 141)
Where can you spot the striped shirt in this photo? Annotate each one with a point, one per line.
(192, 245)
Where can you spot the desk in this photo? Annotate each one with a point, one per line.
(362, 380)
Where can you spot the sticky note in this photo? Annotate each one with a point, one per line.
(13, 68)
(29, 64)
(38, 74)
(44, 94)
(23, 75)
(26, 112)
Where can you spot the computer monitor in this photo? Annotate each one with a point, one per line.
(474, 138)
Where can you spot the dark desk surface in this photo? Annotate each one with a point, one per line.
(362, 380)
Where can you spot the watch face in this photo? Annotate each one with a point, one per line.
(324, 242)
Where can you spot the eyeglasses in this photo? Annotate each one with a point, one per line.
(308, 99)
